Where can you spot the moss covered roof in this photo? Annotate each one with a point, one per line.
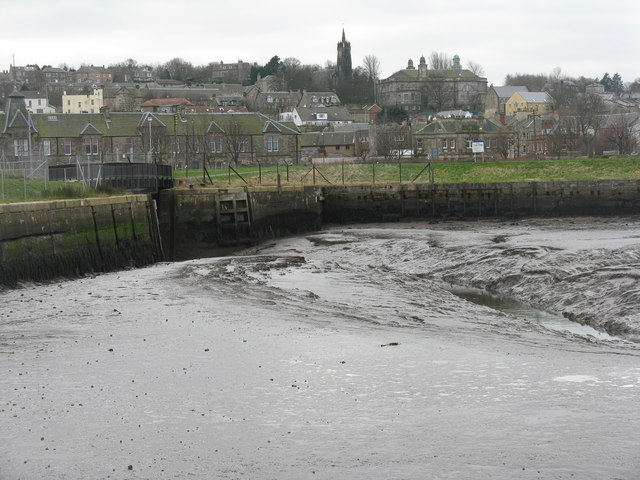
(70, 125)
(414, 75)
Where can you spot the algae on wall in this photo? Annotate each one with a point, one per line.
(44, 240)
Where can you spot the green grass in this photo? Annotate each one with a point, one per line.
(393, 173)
(14, 189)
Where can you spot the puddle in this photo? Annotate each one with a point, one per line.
(521, 310)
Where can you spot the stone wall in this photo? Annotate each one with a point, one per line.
(43, 240)
(352, 204)
(64, 238)
(207, 222)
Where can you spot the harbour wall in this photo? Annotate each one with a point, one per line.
(44, 240)
(353, 204)
(207, 222)
(66, 238)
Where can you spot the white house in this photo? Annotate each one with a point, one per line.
(37, 102)
(318, 116)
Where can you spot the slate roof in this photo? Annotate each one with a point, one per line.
(506, 92)
(334, 114)
(33, 94)
(456, 125)
(157, 102)
(414, 75)
(350, 127)
(129, 124)
(318, 139)
(536, 97)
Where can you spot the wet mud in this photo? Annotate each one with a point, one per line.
(339, 354)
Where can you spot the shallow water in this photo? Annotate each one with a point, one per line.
(525, 312)
(338, 354)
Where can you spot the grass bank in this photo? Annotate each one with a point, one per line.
(14, 189)
(393, 173)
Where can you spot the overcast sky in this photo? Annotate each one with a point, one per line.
(581, 37)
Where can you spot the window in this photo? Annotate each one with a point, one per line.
(46, 147)
(469, 144)
(21, 148)
(273, 143)
(419, 144)
(128, 145)
(79, 104)
(399, 138)
(215, 144)
(364, 139)
(91, 146)
(321, 116)
(452, 144)
(445, 144)
(67, 147)
(68, 103)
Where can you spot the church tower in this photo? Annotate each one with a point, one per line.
(343, 62)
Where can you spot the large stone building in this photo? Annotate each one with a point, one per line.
(177, 138)
(239, 72)
(420, 89)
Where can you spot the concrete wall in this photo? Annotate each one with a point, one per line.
(44, 240)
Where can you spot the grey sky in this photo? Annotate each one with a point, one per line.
(581, 37)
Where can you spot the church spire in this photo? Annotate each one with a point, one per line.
(343, 62)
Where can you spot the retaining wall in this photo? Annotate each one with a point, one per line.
(63, 238)
(207, 222)
(44, 240)
(352, 204)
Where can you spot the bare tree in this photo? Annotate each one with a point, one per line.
(439, 61)
(556, 75)
(235, 139)
(372, 67)
(392, 140)
(476, 68)
(438, 94)
(619, 132)
(178, 69)
(563, 137)
(534, 82)
(587, 110)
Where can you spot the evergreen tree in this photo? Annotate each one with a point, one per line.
(606, 82)
(616, 83)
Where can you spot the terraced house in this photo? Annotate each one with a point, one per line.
(174, 138)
